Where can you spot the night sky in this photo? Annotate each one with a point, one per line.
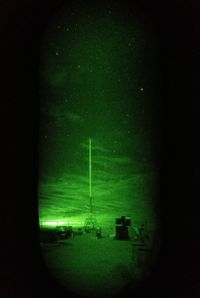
(98, 79)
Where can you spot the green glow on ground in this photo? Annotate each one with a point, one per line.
(98, 80)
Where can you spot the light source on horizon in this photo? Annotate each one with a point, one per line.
(56, 223)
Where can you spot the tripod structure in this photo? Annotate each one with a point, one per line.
(90, 221)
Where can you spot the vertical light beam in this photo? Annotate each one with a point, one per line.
(90, 167)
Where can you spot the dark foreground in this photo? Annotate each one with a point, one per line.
(93, 267)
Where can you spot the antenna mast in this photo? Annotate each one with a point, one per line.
(90, 221)
(90, 167)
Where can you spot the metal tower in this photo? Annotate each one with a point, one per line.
(90, 221)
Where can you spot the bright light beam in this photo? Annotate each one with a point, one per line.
(90, 167)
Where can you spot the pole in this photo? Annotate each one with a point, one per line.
(90, 168)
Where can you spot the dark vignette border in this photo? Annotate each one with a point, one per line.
(23, 273)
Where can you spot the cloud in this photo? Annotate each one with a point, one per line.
(95, 148)
(114, 160)
(115, 188)
(74, 117)
(61, 117)
(105, 158)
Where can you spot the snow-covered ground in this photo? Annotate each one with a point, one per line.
(95, 267)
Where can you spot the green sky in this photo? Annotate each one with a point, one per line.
(98, 79)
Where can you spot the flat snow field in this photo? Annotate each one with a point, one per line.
(92, 267)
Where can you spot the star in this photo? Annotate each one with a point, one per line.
(141, 89)
(57, 53)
